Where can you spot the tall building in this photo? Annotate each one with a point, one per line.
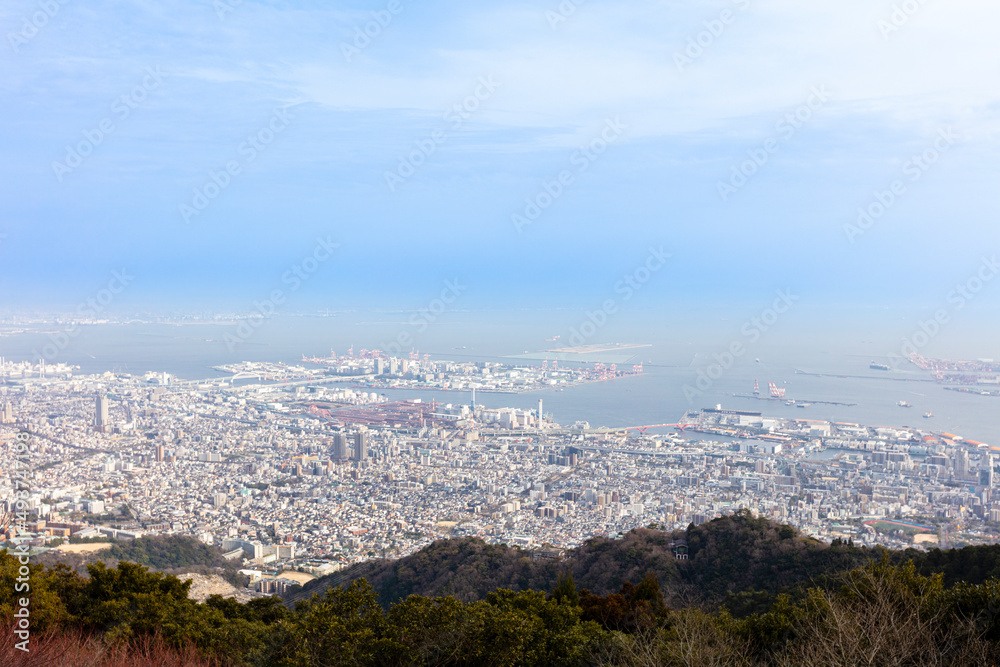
(101, 412)
(360, 446)
(986, 473)
(7, 416)
(159, 453)
(339, 446)
(379, 366)
(961, 464)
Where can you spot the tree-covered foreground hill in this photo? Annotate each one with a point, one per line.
(738, 561)
(791, 601)
(171, 554)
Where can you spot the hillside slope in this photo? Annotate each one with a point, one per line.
(740, 561)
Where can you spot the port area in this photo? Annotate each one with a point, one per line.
(952, 371)
(977, 373)
(374, 369)
(973, 390)
(617, 353)
(799, 371)
(793, 401)
(593, 349)
(812, 434)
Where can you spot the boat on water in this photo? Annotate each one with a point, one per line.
(904, 404)
(802, 405)
(875, 366)
(928, 414)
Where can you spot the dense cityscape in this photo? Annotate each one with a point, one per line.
(306, 468)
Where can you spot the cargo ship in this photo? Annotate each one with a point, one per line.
(878, 367)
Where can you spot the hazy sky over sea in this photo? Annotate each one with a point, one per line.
(204, 147)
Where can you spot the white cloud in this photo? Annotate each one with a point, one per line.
(936, 68)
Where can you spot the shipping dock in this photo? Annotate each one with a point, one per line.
(777, 393)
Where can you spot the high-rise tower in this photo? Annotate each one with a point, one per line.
(101, 412)
(986, 472)
(339, 446)
(360, 446)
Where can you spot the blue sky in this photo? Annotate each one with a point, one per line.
(225, 71)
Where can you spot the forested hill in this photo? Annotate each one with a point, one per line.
(601, 606)
(173, 554)
(741, 561)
